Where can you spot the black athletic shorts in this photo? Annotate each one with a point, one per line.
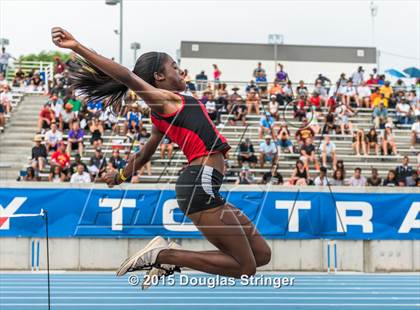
(197, 189)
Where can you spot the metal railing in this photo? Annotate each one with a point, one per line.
(44, 68)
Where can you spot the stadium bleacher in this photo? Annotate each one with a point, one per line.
(22, 122)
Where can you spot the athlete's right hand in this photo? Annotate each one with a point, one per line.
(63, 38)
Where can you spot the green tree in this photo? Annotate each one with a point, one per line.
(45, 56)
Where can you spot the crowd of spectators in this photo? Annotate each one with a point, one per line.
(325, 109)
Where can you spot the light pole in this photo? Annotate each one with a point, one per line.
(373, 12)
(135, 46)
(276, 39)
(120, 2)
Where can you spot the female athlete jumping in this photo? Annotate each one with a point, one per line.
(157, 79)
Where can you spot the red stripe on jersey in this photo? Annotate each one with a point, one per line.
(193, 147)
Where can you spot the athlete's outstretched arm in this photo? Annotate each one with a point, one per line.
(149, 93)
(137, 160)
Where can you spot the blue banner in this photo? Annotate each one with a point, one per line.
(134, 213)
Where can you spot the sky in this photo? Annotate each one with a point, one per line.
(162, 25)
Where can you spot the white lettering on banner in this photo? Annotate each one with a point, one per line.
(168, 218)
(9, 210)
(410, 220)
(293, 208)
(117, 206)
(344, 220)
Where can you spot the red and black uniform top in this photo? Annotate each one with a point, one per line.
(191, 128)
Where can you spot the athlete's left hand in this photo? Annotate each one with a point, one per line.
(112, 178)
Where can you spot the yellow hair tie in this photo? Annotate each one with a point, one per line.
(122, 177)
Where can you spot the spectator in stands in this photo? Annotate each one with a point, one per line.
(75, 102)
(73, 165)
(216, 74)
(386, 90)
(321, 91)
(97, 130)
(359, 142)
(281, 75)
(268, 151)
(30, 175)
(299, 108)
(52, 138)
(134, 119)
(239, 112)
(273, 107)
(323, 79)
(75, 138)
(404, 112)
(329, 123)
(261, 81)
(201, 80)
(4, 60)
(312, 117)
(372, 81)
(72, 63)
(97, 164)
(391, 179)
(388, 142)
(245, 177)
(266, 125)
(56, 175)
(288, 92)
(57, 105)
(36, 83)
(19, 78)
(328, 152)
(338, 178)
(341, 83)
(247, 153)
(81, 176)
(303, 133)
(283, 138)
(6, 98)
(321, 179)
(258, 70)
(315, 100)
(413, 179)
(376, 98)
(300, 174)
(94, 109)
(357, 76)
(59, 66)
(307, 153)
(301, 89)
(374, 179)
(372, 141)
(2, 117)
(211, 108)
(166, 146)
(343, 115)
(415, 133)
(404, 170)
(66, 117)
(273, 177)
(61, 158)
(39, 155)
(117, 161)
(380, 116)
(45, 117)
(277, 91)
(253, 102)
(3, 81)
(357, 179)
(350, 94)
(364, 94)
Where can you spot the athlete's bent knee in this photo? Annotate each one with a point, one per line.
(263, 257)
(248, 270)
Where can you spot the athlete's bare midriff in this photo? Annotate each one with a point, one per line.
(216, 160)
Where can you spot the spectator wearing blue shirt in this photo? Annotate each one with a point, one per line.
(261, 81)
(250, 86)
(134, 119)
(268, 151)
(266, 125)
(94, 109)
(380, 115)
